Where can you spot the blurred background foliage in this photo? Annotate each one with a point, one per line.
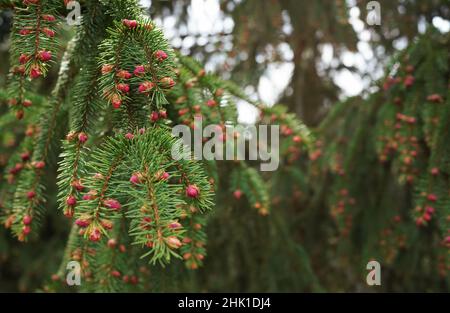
(271, 32)
(299, 247)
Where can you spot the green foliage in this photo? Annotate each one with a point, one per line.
(133, 201)
(357, 187)
(379, 173)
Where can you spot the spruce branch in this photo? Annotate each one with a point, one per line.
(29, 195)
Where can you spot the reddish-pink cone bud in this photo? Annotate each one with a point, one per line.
(173, 242)
(48, 32)
(39, 165)
(20, 114)
(146, 87)
(116, 101)
(95, 235)
(200, 256)
(447, 240)
(16, 169)
(182, 112)
(434, 171)
(24, 31)
(187, 256)
(163, 114)
(107, 224)
(71, 201)
(35, 72)
(82, 137)
(112, 243)
(77, 185)
(23, 58)
(134, 279)
(27, 219)
(211, 103)
(139, 70)
(192, 191)
(27, 103)
(83, 222)
(26, 230)
(25, 156)
(237, 194)
(44, 55)
(48, 17)
(130, 23)
(134, 179)
(174, 225)
(145, 223)
(432, 197)
(31, 195)
(167, 82)
(124, 74)
(154, 116)
(112, 204)
(409, 81)
(436, 98)
(160, 55)
(123, 87)
(297, 139)
(69, 212)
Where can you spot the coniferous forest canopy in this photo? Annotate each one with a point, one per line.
(89, 179)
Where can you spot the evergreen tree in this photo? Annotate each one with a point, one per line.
(90, 176)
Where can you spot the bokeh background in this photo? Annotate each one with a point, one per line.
(305, 54)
